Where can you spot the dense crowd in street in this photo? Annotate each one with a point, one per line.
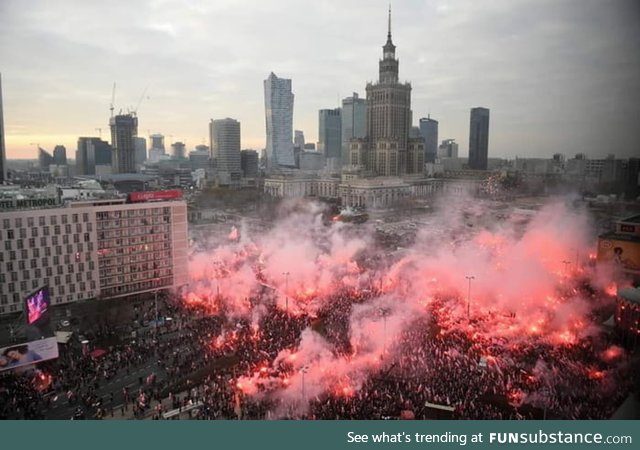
(201, 357)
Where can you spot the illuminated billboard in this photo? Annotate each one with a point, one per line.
(151, 196)
(37, 309)
(41, 342)
(622, 253)
(22, 355)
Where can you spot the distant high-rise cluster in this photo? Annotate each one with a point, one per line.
(3, 160)
(124, 130)
(278, 102)
(479, 139)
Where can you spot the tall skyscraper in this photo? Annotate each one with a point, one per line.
(124, 128)
(448, 149)
(92, 152)
(3, 159)
(178, 150)
(225, 149)
(44, 159)
(429, 131)
(354, 123)
(60, 155)
(330, 135)
(249, 163)
(157, 149)
(140, 145)
(479, 139)
(298, 139)
(278, 102)
(388, 150)
(157, 142)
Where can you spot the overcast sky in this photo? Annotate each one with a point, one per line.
(558, 75)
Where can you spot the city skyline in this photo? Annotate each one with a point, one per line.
(557, 77)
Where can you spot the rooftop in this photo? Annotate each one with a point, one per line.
(632, 219)
(630, 294)
(612, 235)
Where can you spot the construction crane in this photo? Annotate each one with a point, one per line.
(135, 111)
(113, 98)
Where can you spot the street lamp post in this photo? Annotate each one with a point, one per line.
(303, 371)
(384, 312)
(156, 324)
(566, 266)
(469, 277)
(286, 291)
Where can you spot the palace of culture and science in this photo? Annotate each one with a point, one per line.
(388, 150)
(383, 167)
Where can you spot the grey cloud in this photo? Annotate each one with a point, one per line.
(558, 76)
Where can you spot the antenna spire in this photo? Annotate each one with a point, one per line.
(389, 32)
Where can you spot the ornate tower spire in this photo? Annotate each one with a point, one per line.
(389, 32)
(389, 63)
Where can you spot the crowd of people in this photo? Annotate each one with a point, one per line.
(200, 359)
